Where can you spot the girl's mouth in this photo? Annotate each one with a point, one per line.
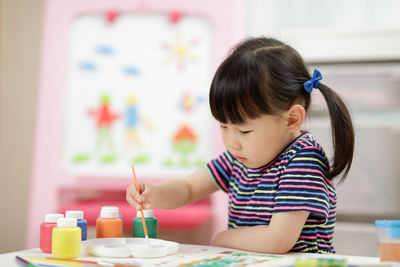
(240, 159)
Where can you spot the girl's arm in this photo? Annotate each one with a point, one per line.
(179, 192)
(278, 237)
(173, 193)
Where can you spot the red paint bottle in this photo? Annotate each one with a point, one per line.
(46, 229)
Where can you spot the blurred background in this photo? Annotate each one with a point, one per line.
(355, 44)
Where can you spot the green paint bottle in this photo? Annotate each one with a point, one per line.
(151, 224)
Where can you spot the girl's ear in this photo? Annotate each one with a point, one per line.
(295, 117)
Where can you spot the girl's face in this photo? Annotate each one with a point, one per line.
(257, 142)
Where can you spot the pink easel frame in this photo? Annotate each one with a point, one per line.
(48, 173)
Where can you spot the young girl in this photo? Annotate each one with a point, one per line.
(277, 177)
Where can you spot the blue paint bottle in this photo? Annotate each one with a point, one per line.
(82, 223)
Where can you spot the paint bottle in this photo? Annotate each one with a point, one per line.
(151, 224)
(108, 224)
(66, 239)
(46, 229)
(82, 223)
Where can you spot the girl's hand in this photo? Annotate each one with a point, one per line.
(146, 195)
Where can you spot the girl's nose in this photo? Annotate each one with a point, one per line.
(234, 143)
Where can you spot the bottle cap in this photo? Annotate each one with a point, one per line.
(146, 213)
(110, 208)
(78, 214)
(53, 217)
(108, 213)
(68, 222)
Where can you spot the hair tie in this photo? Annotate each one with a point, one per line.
(313, 82)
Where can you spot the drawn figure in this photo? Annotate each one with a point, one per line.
(184, 142)
(105, 119)
(188, 101)
(181, 51)
(133, 119)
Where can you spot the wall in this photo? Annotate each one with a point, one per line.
(20, 27)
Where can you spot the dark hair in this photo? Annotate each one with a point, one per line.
(265, 76)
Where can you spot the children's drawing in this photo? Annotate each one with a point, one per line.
(224, 261)
(149, 102)
(104, 118)
(133, 119)
(184, 143)
(104, 50)
(87, 66)
(189, 101)
(131, 70)
(181, 49)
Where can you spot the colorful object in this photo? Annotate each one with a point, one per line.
(187, 102)
(313, 82)
(184, 142)
(66, 241)
(132, 121)
(105, 118)
(223, 261)
(388, 232)
(24, 261)
(175, 17)
(256, 205)
(46, 230)
(104, 50)
(108, 224)
(111, 16)
(87, 66)
(82, 223)
(72, 31)
(103, 114)
(76, 261)
(151, 224)
(141, 209)
(320, 262)
(131, 70)
(181, 50)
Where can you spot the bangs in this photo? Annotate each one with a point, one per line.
(236, 92)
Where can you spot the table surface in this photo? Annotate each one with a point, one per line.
(190, 255)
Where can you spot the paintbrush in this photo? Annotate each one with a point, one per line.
(24, 261)
(141, 209)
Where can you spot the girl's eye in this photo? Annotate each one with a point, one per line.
(245, 132)
(223, 126)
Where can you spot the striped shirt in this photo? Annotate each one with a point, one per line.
(294, 181)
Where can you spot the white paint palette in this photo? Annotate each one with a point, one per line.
(129, 247)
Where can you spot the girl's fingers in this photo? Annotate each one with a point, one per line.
(134, 198)
(142, 188)
(130, 200)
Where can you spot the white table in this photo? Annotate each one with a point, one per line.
(190, 253)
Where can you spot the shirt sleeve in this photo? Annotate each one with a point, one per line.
(303, 185)
(221, 170)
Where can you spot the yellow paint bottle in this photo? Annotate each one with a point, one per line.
(66, 239)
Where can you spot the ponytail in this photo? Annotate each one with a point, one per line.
(342, 133)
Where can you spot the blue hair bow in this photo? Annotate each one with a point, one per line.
(313, 82)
